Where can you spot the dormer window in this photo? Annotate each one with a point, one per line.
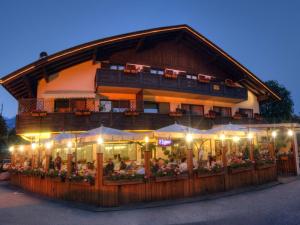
(116, 67)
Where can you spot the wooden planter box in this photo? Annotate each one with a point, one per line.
(131, 113)
(39, 113)
(123, 182)
(165, 178)
(203, 175)
(175, 114)
(240, 169)
(83, 113)
(264, 166)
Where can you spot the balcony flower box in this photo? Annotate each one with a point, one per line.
(83, 113)
(38, 113)
(230, 83)
(131, 113)
(175, 114)
(258, 117)
(203, 79)
(237, 116)
(210, 115)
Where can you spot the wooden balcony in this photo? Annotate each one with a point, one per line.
(56, 122)
(114, 78)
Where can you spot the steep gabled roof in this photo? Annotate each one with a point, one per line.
(22, 82)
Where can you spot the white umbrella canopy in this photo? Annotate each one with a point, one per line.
(108, 134)
(178, 131)
(232, 129)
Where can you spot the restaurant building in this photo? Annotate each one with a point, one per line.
(137, 81)
(143, 94)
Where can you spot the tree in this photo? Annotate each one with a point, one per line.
(3, 134)
(276, 111)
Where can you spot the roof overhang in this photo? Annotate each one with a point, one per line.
(22, 82)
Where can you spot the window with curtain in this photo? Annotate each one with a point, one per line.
(222, 111)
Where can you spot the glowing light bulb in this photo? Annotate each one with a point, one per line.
(274, 134)
(146, 139)
(100, 140)
(250, 136)
(236, 139)
(222, 137)
(33, 146)
(11, 148)
(48, 145)
(69, 144)
(290, 133)
(21, 148)
(189, 138)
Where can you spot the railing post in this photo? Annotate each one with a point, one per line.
(147, 157)
(99, 169)
(69, 163)
(224, 161)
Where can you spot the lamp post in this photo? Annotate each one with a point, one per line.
(12, 153)
(274, 135)
(147, 156)
(69, 158)
(99, 162)
(48, 147)
(189, 141)
(33, 147)
(294, 146)
(250, 139)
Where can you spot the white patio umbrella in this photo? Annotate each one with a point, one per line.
(108, 134)
(178, 131)
(232, 129)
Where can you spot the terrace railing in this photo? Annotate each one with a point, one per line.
(106, 77)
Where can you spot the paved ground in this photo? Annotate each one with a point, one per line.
(279, 205)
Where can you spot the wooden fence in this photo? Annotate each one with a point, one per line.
(116, 193)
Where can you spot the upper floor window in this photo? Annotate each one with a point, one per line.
(192, 77)
(116, 67)
(151, 107)
(70, 105)
(114, 105)
(193, 109)
(246, 112)
(157, 72)
(222, 111)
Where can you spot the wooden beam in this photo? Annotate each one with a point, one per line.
(94, 57)
(45, 74)
(140, 44)
(28, 85)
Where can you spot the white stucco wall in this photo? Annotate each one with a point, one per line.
(76, 81)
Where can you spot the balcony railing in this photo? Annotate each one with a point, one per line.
(106, 77)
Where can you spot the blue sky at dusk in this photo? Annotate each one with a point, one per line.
(262, 35)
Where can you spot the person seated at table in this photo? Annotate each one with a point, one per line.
(183, 165)
(57, 162)
(117, 162)
(109, 168)
(171, 163)
(161, 162)
(123, 165)
(140, 170)
(131, 166)
(154, 165)
(195, 162)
